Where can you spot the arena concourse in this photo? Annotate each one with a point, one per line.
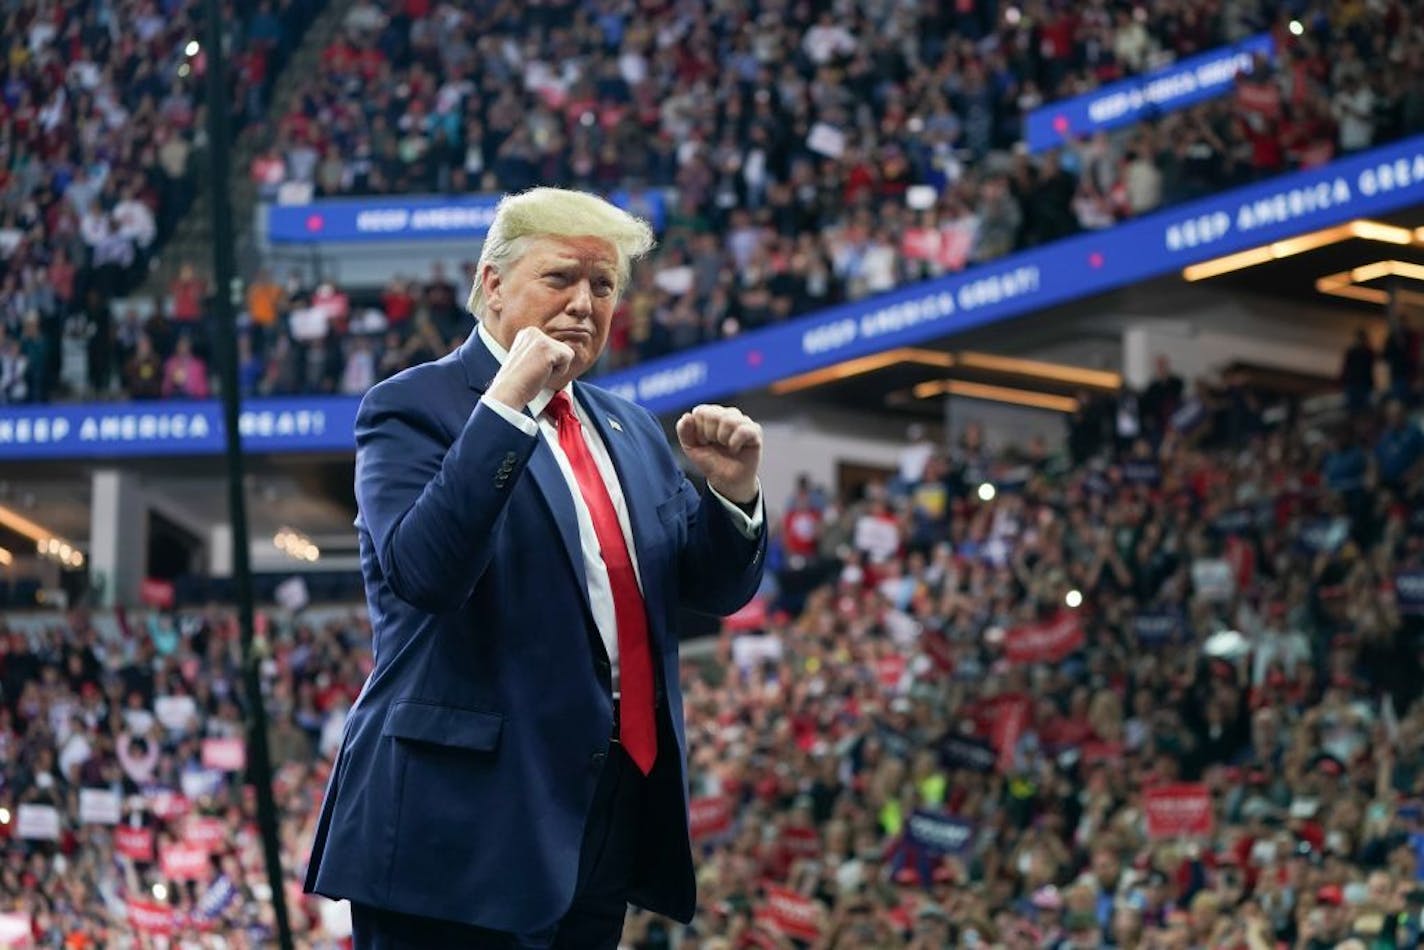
(1086, 338)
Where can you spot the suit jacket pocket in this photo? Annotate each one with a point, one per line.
(449, 726)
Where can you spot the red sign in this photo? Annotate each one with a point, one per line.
(1008, 728)
(209, 834)
(168, 804)
(148, 917)
(791, 914)
(225, 755)
(1175, 811)
(184, 862)
(889, 670)
(135, 843)
(801, 842)
(156, 593)
(709, 816)
(1048, 642)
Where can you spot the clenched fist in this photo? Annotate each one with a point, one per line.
(725, 446)
(536, 360)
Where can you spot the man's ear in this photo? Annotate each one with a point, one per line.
(493, 286)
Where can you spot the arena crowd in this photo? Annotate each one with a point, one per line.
(1160, 689)
(805, 159)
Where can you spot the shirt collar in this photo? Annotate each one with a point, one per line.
(538, 403)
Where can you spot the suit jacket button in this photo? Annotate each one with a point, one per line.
(509, 458)
(597, 759)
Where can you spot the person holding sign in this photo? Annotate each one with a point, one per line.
(513, 772)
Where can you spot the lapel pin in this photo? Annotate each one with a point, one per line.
(617, 426)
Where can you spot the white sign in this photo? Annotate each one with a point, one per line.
(38, 822)
(99, 806)
(177, 713)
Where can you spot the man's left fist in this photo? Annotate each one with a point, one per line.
(725, 446)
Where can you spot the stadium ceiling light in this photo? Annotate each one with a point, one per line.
(1346, 283)
(1360, 228)
(21, 525)
(859, 366)
(6, 558)
(1006, 394)
(1057, 372)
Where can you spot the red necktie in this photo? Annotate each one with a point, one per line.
(637, 729)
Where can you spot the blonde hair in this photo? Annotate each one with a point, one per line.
(522, 218)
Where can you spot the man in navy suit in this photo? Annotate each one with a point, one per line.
(513, 774)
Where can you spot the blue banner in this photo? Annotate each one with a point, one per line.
(939, 833)
(1370, 183)
(143, 429)
(404, 218)
(1156, 628)
(1409, 591)
(1185, 83)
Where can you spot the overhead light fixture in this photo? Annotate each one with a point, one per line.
(296, 545)
(859, 366)
(1347, 283)
(1277, 250)
(1006, 394)
(6, 558)
(21, 525)
(1056, 372)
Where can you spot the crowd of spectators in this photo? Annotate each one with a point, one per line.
(101, 112)
(1157, 689)
(806, 158)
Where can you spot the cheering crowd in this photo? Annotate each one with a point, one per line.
(101, 114)
(803, 159)
(1160, 690)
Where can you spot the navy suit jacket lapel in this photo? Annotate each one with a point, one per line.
(481, 367)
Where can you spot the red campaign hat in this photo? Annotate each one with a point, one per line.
(1330, 894)
(908, 876)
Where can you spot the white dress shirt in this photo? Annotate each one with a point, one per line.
(600, 593)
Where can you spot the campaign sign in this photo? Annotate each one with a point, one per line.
(1048, 642)
(209, 834)
(37, 822)
(225, 755)
(1142, 472)
(184, 862)
(801, 842)
(215, 900)
(99, 806)
(135, 843)
(789, 913)
(153, 918)
(709, 816)
(968, 753)
(1409, 591)
(1157, 628)
(939, 833)
(1175, 811)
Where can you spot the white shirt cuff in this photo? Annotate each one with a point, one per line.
(748, 525)
(517, 419)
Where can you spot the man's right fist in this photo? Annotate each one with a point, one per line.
(536, 360)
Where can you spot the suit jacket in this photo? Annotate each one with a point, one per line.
(469, 762)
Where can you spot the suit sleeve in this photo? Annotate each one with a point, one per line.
(722, 552)
(432, 505)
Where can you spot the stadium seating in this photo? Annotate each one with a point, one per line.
(1162, 693)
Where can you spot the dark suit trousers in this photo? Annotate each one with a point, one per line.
(594, 922)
